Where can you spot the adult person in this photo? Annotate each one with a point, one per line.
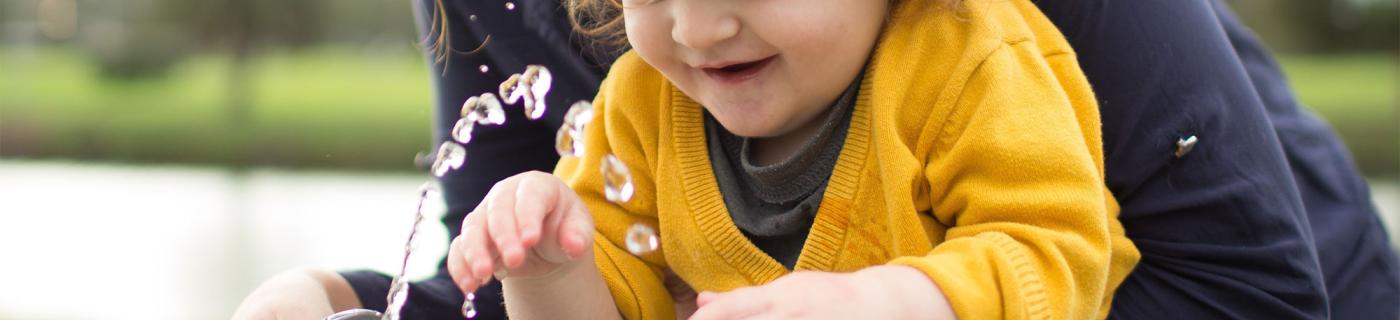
(1262, 217)
(1360, 268)
(1223, 229)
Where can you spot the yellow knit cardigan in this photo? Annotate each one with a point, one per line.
(974, 155)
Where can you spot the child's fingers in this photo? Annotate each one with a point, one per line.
(461, 260)
(501, 223)
(575, 229)
(705, 297)
(480, 254)
(457, 266)
(535, 197)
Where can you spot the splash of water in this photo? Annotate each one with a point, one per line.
(529, 87)
(490, 110)
(538, 81)
(469, 307)
(462, 131)
(569, 141)
(449, 156)
(510, 89)
(398, 292)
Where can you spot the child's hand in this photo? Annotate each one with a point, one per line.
(801, 295)
(881, 292)
(529, 225)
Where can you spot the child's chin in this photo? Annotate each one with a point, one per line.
(753, 129)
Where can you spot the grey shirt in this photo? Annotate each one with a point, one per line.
(774, 205)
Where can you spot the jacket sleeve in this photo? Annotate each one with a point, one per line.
(1017, 176)
(1222, 229)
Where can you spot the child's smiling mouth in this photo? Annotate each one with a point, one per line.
(734, 73)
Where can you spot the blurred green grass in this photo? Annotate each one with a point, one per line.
(345, 108)
(1357, 95)
(323, 108)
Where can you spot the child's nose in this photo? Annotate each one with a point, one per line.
(699, 25)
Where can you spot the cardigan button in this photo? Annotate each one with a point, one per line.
(1184, 146)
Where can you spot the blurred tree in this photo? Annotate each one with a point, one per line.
(1324, 26)
(243, 25)
(138, 38)
(125, 40)
(239, 28)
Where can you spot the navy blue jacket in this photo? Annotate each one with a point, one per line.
(1265, 218)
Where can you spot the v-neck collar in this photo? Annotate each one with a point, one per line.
(821, 250)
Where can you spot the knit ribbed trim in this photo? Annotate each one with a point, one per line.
(1032, 290)
(828, 235)
(703, 198)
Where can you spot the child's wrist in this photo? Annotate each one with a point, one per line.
(575, 289)
(904, 291)
(571, 269)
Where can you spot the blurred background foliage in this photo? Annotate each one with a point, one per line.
(342, 84)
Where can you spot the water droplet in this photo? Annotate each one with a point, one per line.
(430, 201)
(469, 306)
(564, 141)
(491, 108)
(642, 239)
(462, 132)
(484, 109)
(469, 109)
(510, 6)
(529, 103)
(569, 141)
(579, 115)
(617, 180)
(483, 67)
(398, 295)
(449, 156)
(510, 89)
(539, 80)
(471, 17)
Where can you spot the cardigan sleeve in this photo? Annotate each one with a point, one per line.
(1017, 175)
(636, 282)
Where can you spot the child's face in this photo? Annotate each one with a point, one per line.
(763, 68)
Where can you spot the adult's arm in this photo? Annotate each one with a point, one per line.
(1358, 264)
(533, 32)
(1222, 230)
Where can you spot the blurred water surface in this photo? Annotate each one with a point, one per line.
(89, 241)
